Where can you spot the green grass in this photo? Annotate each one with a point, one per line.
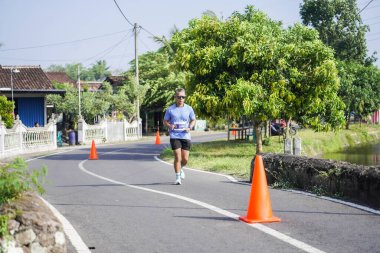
(234, 157)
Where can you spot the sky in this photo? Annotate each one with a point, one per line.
(46, 32)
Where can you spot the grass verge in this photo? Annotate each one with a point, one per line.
(234, 157)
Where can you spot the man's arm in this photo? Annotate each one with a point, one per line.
(167, 123)
(191, 125)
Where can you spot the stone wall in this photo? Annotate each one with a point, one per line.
(33, 227)
(353, 182)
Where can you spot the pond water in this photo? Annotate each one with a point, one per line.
(368, 154)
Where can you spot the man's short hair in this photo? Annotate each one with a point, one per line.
(178, 90)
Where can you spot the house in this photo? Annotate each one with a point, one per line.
(27, 86)
(91, 86)
(115, 81)
(60, 77)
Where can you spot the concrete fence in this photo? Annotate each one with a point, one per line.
(109, 131)
(22, 140)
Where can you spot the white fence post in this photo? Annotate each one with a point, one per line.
(125, 129)
(82, 127)
(2, 137)
(105, 129)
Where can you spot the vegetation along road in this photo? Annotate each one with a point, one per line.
(126, 202)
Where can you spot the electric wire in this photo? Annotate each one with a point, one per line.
(371, 18)
(107, 51)
(129, 22)
(366, 6)
(62, 43)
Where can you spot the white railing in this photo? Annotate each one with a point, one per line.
(21, 139)
(37, 138)
(11, 141)
(108, 131)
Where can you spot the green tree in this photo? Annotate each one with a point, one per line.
(6, 111)
(100, 70)
(97, 72)
(307, 69)
(339, 25)
(158, 79)
(360, 88)
(92, 103)
(239, 67)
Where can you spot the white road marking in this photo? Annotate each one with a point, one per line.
(80, 246)
(232, 179)
(364, 208)
(296, 243)
(69, 230)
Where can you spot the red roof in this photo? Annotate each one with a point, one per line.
(24, 78)
(60, 77)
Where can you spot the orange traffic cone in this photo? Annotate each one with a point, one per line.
(158, 140)
(93, 153)
(259, 206)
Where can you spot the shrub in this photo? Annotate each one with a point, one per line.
(16, 178)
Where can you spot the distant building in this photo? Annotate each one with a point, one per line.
(60, 77)
(116, 81)
(91, 85)
(29, 85)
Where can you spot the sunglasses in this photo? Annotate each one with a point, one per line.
(180, 97)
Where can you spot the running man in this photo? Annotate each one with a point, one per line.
(180, 119)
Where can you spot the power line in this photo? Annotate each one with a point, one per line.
(372, 34)
(98, 55)
(366, 6)
(373, 7)
(123, 13)
(62, 43)
(367, 19)
(106, 51)
(142, 28)
(374, 23)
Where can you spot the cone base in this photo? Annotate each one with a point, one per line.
(93, 158)
(265, 220)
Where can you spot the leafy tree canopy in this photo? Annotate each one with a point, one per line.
(97, 72)
(158, 78)
(360, 88)
(6, 111)
(250, 66)
(339, 25)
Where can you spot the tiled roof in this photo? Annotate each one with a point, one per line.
(24, 78)
(116, 80)
(92, 85)
(60, 77)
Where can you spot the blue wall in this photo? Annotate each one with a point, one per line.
(31, 110)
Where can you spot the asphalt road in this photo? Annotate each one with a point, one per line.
(126, 202)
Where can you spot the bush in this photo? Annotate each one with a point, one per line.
(16, 178)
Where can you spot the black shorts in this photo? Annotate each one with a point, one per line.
(180, 143)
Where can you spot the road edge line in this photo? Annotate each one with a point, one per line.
(232, 179)
(267, 230)
(69, 230)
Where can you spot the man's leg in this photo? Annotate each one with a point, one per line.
(184, 157)
(177, 160)
(177, 166)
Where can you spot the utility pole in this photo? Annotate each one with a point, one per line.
(137, 79)
(80, 114)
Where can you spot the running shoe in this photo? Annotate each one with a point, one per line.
(178, 181)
